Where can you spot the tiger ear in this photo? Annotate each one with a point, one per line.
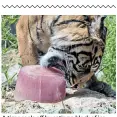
(103, 29)
(97, 28)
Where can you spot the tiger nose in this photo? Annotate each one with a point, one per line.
(54, 59)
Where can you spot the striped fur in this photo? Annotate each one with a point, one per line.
(74, 44)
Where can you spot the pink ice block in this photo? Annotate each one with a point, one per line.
(46, 85)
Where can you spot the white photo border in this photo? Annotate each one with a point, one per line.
(87, 7)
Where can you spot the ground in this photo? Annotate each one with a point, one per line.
(82, 101)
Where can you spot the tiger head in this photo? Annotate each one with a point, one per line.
(77, 44)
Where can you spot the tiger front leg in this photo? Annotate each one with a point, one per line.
(101, 87)
(27, 49)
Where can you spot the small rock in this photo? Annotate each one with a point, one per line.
(63, 111)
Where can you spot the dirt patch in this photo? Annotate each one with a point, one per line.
(83, 101)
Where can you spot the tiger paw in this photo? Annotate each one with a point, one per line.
(112, 94)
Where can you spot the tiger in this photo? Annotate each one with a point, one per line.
(72, 43)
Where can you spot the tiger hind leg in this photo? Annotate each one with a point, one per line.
(99, 86)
